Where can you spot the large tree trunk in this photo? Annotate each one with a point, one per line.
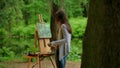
(53, 24)
(55, 7)
(101, 44)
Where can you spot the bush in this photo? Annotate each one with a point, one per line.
(24, 30)
(76, 50)
(6, 54)
(78, 26)
(3, 33)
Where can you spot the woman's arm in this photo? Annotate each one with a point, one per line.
(64, 40)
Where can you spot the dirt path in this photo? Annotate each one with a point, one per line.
(44, 64)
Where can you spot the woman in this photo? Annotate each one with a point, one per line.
(62, 45)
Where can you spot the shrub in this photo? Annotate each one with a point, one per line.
(24, 30)
(78, 26)
(76, 50)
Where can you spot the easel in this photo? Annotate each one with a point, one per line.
(45, 50)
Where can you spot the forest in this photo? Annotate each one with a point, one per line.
(95, 25)
(18, 20)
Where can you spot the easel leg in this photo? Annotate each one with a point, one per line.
(34, 65)
(52, 61)
(39, 64)
(29, 61)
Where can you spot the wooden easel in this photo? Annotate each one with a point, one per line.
(45, 50)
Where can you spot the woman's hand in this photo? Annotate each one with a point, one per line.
(52, 46)
(49, 44)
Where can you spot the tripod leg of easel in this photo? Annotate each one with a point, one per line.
(52, 62)
(34, 65)
(39, 64)
(29, 61)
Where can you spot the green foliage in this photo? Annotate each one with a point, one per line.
(27, 31)
(3, 33)
(72, 7)
(76, 50)
(10, 13)
(6, 54)
(18, 19)
(17, 47)
(78, 26)
(32, 9)
(76, 8)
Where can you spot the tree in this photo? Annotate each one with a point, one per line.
(26, 12)
(53, 23)
(10, 14)
(101, 44)
(55, 6)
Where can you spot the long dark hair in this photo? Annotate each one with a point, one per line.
(63, 19)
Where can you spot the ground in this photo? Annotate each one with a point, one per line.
(44, 64)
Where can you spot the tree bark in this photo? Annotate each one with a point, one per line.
(101, 43)
(53, 24)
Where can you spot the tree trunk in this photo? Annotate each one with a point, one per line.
(53, 24)
(101, 44)
(26, 16)
(26, 12)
